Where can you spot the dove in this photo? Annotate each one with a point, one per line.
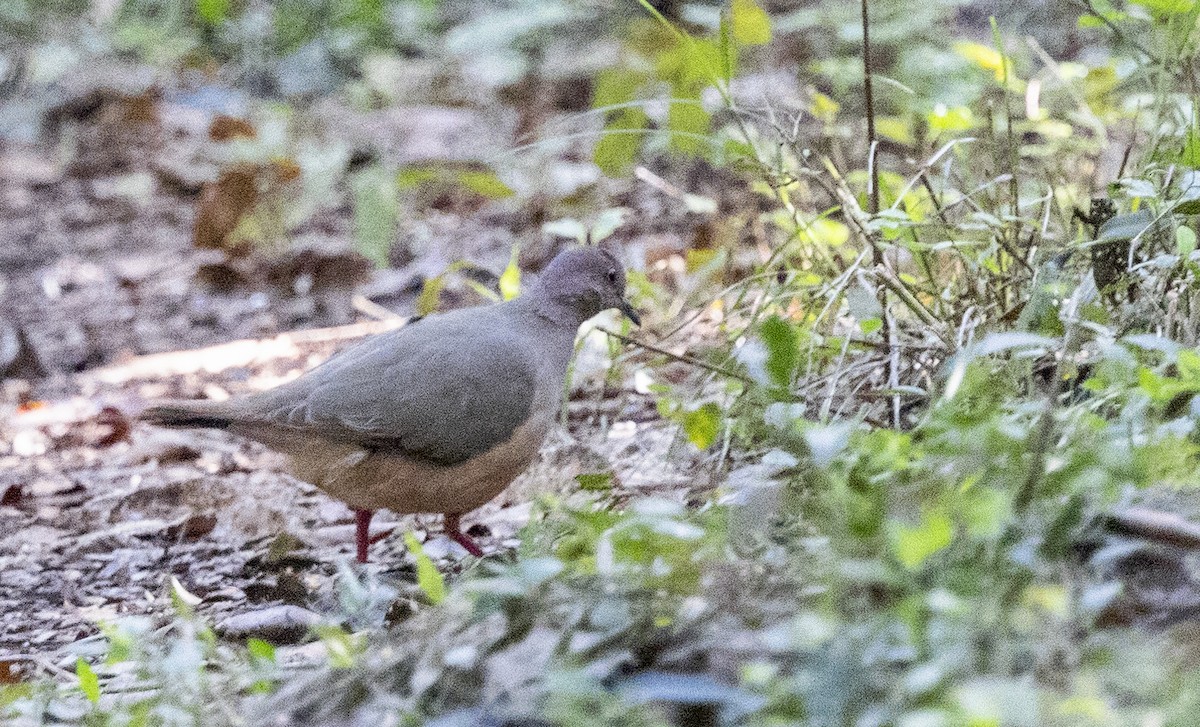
(438, 416)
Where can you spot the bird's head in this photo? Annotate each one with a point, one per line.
(587, 280)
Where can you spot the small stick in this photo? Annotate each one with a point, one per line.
(684, 358)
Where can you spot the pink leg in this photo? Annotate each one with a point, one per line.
(380, 536)
(457, 535)
(362, 518)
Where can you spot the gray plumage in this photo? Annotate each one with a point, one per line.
(437, 416)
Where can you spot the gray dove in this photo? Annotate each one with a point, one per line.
(437, 416)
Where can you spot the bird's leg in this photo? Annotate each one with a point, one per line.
(362, 518)
(457, 535)
(380, 536)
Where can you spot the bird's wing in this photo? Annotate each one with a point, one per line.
(442, 392)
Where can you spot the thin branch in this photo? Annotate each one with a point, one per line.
(868, 91)
(683, 358)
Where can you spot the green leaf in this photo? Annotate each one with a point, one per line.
(431, 295)
(1188, 363)
(616, 86)
(183, 600)
(619, 142)
(1166, 7)
(606, 223)
(914, 545)
(595, 482)
(342, 648)
(751, 24)
(1185, 240)
(703, 425)
(510, 279)
(376, 213)
(89, 683)
(702, 64)
(729, 50)
(212, 12)
(569, 227)
(780, 339)
(412, 177)
(1125, 227)
(950, 120)
(261, 650)
(688, 123)
(429, 580)
(1191, 149)
(1098, 87)
(485, 184)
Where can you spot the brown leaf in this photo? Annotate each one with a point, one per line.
(286, 170)
(142, 109)
(28, 406)
(224, 128)
(222, 205)
(192, 527)
(118, 424)
(10, 672)
(12, 495)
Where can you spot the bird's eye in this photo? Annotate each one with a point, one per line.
(612, 276)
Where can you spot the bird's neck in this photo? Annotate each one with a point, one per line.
(556, 313)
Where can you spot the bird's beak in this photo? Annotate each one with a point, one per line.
(630, 312)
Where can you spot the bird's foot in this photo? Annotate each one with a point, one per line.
(455, 533)
(381, 535)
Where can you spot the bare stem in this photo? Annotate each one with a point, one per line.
(870, 99)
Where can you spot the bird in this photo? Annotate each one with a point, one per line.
(437, 416)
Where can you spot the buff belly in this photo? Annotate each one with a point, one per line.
(372, 480)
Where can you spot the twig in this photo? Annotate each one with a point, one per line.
(870, 99)
(893, 364)
(1120, 34)
(1039, 445)
(894, 284)
(368, 307)
(683, 358)
(1163, 527)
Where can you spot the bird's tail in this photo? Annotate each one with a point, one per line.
(198, 414)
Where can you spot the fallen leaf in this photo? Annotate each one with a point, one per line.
(12, 495)
(10, 672)
(192, 527)
(222, 205)
(225, 128)
(118, 424)
(277, 624)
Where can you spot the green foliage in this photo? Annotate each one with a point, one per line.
(376, 213)
(595, 482)
(751, 25)
(782, 350)
(429, 579)
(89, 683)
(702, 425)
(510, 279)
(687, 64)
(213, 12)
(928, 590)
